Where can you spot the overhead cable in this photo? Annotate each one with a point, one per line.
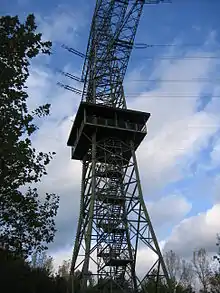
(152, 95)
(175, 80)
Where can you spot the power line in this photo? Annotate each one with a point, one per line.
(178, 57)
(175, 80)
(151, 95)
(135, 46)
(146, 46)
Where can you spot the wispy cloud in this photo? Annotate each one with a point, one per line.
(62, 25)
(160, 210)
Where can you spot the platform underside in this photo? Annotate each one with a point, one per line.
(83, 144)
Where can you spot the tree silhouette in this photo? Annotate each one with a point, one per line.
(27, 222)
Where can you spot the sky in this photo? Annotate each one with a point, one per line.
(176, 79)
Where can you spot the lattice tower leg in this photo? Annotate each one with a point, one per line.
(114, 222)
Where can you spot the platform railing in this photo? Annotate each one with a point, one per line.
(116, 123)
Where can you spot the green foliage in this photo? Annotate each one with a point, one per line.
(43, 262)
(154, 284)
(64, 269)
(27, 223)
(217, 256)
(215, 282)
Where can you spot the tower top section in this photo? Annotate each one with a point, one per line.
(111, 40)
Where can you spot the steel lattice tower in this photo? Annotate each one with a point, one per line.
(113, 220)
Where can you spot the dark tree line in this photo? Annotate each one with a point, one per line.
(17, 275)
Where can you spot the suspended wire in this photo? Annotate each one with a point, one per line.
(178, 57)
(74, 51)
(70, 88)
(137, 46)
(143, 46)
(157, 1)
(69, 75)
(151, 95)
(146, 46)
(175, 80)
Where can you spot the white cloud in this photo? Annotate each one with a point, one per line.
(64, 175)
(145, 260)
(62, 25)
(63, 179)
(215, 154)
(196, 232)
(168, 153)
(65, 253)
(216, 189)
(176, 131)
(39, 85)
(168, 210)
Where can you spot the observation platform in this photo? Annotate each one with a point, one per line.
(107, 122)
(108, 199)
(114, 258)
(108, 173)
(108, 228)
(110, 196)
(118, 262)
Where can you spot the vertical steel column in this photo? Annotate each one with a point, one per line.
(151, 229)
(88, 234)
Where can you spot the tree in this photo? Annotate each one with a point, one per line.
(217, 256)
(64, 269)
(201, 264)
(27, 222)
(214, 282)
(16, 275)
(180, 271)
(154, 284)
(76, 278)
(215, 277)
(42, 261)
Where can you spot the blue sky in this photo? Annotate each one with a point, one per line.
(179, 161)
